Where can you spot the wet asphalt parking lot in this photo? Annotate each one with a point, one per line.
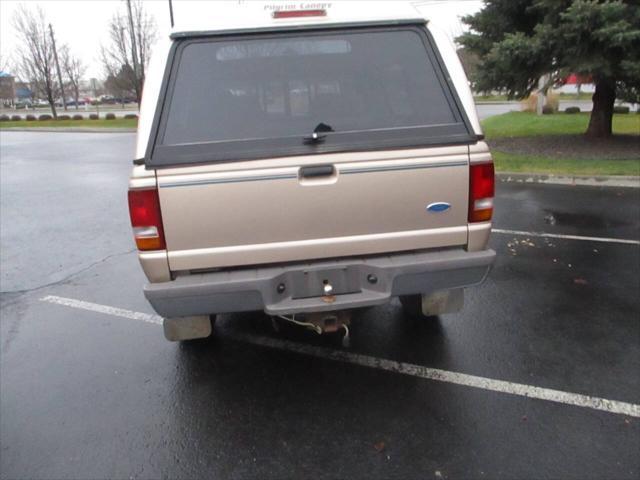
(549, 347)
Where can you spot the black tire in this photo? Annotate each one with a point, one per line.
(412, 306)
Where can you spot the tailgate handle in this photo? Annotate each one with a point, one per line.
(317, 171)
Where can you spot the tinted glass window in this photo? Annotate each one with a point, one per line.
(275, 88)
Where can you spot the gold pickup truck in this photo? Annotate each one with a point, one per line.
(308, 159)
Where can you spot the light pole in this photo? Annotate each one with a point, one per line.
(55, 56)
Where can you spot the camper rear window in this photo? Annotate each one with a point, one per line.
(264, 95)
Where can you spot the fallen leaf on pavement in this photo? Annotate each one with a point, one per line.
(379, 447)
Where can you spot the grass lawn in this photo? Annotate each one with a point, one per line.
(575, 96)
(102, 123)
(490, 98)
(504, 98)
(521, 124)
(510, 162)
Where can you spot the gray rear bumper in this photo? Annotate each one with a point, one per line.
(257, 288)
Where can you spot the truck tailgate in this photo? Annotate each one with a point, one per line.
(280, 210)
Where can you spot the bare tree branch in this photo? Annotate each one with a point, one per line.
(118, 54)
(73, 69)
(6, 63)
(35, 54)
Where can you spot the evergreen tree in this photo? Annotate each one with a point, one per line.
(519, 41)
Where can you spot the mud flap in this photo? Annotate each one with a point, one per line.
(177, 329)
(444, 301)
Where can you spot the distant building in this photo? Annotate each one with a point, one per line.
(23, 91)
(7, 88)
(576, 84)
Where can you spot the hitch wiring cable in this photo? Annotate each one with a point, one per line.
(311, 326)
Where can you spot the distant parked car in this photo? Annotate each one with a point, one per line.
(123, 100)
(107, 99)
(23, 104)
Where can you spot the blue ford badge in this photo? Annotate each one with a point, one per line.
(438, 207)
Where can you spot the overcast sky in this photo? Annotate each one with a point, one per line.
(83, 23)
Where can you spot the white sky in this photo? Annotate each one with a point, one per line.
(83, 23)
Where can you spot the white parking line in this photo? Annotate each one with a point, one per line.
(567, 237)
(501, 386)
(106, 309)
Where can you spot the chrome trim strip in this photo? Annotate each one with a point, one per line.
(227, 180)
(401, 167)
(346, 171)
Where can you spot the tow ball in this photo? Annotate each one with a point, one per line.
(321, 322)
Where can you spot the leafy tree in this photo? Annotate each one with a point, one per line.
(520, 41)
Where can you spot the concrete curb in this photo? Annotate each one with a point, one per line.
(71, 129)
(498, 102)
(576, 180)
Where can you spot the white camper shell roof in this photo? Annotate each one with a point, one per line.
(197, 18)
(217, 16)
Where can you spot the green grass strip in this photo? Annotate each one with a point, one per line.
(508, 162)
(525, 124)
(102, 123)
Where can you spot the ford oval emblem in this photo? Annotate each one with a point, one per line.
(438, 207)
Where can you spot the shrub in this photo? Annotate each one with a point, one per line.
(4, 118)
(64, 117)
(552, 100)
(548, 110)
(30, 118)
(44, 116)
(110, 116)
(572, 110)
(94, 116)
(131, 116)
(620, 109)
(16, 118)
(77, 116)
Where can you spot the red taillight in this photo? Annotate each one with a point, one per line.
(146, 220)
(481, 191)
(299, 13)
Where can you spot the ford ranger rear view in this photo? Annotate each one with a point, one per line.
(305, 161)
